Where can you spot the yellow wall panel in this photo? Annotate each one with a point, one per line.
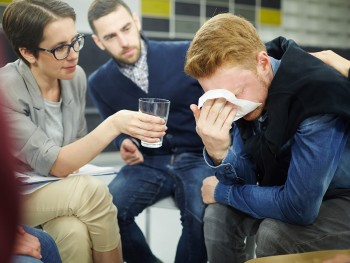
(5, 1)
(156, 8)
(269, 16)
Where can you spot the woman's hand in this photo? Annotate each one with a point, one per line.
(139, 125)
(334, 60)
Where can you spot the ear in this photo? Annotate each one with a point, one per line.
(29, 56)
(263, 62)
(98, 42)
(137, 21)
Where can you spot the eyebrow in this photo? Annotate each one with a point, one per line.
(64, 43)
(115, 34)
(106, 37)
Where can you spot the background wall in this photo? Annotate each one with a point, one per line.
(321, 23)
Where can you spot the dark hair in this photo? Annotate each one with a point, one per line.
(24, 22)
(100, 8)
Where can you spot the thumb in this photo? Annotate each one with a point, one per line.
(129, 146)
(196, 111)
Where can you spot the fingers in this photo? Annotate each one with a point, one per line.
(196, 111)
(130, 153)
(151, 119)
(27, 244)
(217, 112)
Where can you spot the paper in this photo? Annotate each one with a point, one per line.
(244, 106)
(32, 181)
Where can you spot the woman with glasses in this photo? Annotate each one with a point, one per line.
(45, 90)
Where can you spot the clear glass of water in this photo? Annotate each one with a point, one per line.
(157, 107)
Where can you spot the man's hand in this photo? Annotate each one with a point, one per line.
(208, 189)
(214, 122)
(130, 153)
(27, 244)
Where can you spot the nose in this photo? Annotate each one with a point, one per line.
(123, 41)
(72, 54)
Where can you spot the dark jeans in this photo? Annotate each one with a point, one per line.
(225, 229)
(139, 186)
(49, 251)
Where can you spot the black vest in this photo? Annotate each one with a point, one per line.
(302, 87)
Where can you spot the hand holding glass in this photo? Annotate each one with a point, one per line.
(156, 107)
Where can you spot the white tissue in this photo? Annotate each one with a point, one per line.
(244, 106)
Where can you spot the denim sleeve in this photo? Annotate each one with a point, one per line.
(236, 168)
(316, 150)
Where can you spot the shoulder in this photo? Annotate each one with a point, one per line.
(169, 45)
(10, 72)
(13, 79)
(101, 72)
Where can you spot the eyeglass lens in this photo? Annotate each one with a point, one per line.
(63, 51)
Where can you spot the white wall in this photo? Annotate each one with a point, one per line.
(81, 8)
(313, 23)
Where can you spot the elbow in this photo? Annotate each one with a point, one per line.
(304, 220)
(304, 216)
(58, 172)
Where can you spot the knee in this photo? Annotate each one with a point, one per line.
(68, 231)
(271, 237)
(94, 193)
(211, 212)
(90, 186)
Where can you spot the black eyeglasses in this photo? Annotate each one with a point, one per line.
(62, 51)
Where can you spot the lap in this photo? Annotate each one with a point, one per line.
(330, 230)
(139, 186)
(61, 198)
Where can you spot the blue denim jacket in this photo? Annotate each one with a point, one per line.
(320, 161)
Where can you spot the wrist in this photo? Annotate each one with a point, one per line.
(111, 127)
(217, 158)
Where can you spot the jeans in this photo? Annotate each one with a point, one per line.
(49, 251)
(225, 229)
(137, 187)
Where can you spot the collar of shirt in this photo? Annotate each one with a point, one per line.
(275, 64)
(138, 72)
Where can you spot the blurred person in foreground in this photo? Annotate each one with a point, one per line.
(28, 245)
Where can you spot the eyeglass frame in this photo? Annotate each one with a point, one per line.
(71, 45)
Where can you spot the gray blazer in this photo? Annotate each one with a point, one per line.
(25, 107)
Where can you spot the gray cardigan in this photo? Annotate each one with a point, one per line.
(24, 106)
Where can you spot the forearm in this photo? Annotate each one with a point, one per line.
(74, 155)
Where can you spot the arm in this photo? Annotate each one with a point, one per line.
(311, 170)
(33, 147)
(139, 125)
(334, 60)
